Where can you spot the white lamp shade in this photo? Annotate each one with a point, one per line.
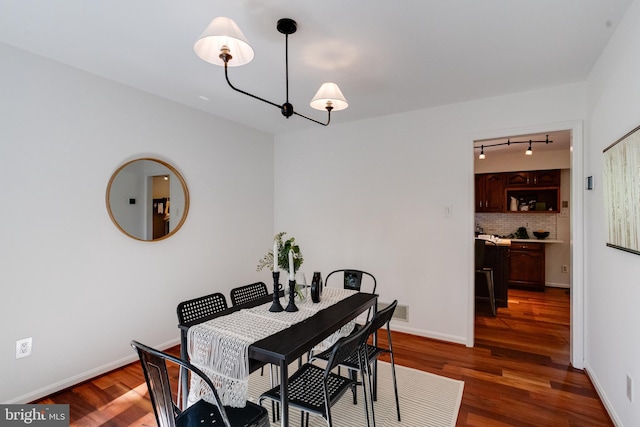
(329, 92)
(223, 31)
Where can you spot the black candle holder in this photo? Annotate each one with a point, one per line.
(276, 306)
(292, 296)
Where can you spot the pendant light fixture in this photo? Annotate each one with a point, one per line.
(223, 43)
(529, 151)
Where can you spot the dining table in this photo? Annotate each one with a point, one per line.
(288, 345)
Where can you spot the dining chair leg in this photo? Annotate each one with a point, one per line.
(366, 384)
(354, 389)
(490, 286)
(393, 372)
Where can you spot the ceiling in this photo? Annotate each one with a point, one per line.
(387, 56)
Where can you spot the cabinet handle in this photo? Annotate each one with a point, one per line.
(480, 203)
(535, 180)
(527, 181)
(486, 204)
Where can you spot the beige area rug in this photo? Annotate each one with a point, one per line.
(426, 400)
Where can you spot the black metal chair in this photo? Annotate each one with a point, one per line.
(380, 319)
(485, 270)
(352, 279)
(243, 295)
(191, 311)
(248, 293)
(169, 413)
(198, 308)
(315, 390)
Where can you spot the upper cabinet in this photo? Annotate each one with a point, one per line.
(542, 178)
(533, 191)
(490, 192)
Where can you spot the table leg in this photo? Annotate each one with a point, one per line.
(184, 375)
(284, 394)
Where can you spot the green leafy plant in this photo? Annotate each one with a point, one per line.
(283, 254)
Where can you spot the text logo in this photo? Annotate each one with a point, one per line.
(34, 415)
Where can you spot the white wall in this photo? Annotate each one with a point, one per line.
(372, 195)
(612, 293)
(510, 161)
(69, 278)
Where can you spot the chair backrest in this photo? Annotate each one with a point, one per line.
(345, 347)
(154, 366)
(198, 308)
(247, 293)
(383, 317)
(480, 250)
(352, 279)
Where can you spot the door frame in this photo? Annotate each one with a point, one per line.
(576, 207)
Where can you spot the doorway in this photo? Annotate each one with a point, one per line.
(567, 221)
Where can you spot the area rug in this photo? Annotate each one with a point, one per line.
(426, 400)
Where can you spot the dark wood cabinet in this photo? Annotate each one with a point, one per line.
(542, 188)
(546, 199)
(526, 265)
(490, 192)
(540, 178)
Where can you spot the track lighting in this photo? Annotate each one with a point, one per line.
(529, 151)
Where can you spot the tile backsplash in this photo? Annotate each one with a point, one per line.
(502, 224)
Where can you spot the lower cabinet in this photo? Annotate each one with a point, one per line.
(526, 266)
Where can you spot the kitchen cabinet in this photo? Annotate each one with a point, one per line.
(540, 178)
(542, 187)
(526, 265)
(490, 192)
(546, 199)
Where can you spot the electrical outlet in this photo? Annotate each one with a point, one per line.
(629, 388)
(23, 347)
(565, 269)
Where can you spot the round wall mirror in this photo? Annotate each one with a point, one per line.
(147, 199)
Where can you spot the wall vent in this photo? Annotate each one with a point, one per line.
(400, 313)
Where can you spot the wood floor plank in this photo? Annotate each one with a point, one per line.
(517, 374)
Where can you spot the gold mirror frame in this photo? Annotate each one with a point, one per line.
(144, 194)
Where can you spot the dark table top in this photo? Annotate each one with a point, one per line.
(293, 342)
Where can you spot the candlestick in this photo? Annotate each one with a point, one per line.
(276, 306)
(292, 273)
(275, 257)
(292, 296)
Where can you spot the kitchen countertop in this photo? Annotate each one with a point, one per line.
(507, 242)
(537, 240)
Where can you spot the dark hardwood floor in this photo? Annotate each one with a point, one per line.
(518, 373)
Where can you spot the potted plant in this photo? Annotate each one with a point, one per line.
(283, 254)
(283, 247)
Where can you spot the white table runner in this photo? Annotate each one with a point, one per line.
(220, 347)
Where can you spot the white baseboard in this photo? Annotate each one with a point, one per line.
(84, 376)
(602, 395)
(395, 326)
(558, 285)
